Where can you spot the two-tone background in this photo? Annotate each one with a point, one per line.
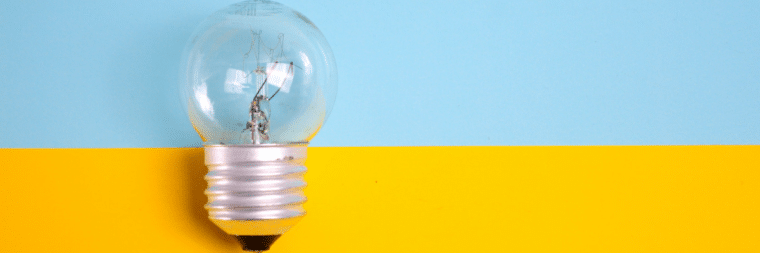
(487, 126)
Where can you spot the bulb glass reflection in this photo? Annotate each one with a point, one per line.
(258, 72)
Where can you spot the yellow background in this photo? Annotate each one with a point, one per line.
(399, 199)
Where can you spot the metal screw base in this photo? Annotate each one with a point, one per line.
(255, 190)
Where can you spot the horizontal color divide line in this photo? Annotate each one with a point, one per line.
(312, 147)
(399, 199)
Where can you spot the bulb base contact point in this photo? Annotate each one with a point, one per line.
(257, 242)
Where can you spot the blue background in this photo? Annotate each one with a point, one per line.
(104, 73)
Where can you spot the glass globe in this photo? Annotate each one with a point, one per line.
(258, 72)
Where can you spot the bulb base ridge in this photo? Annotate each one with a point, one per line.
(255, 191)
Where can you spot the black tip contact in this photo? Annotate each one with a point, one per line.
(257, 242)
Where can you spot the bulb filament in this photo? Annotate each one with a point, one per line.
(274, 72)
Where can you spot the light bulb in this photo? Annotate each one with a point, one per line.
(258, 80)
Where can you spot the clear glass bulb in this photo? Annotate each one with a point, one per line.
(258, 72)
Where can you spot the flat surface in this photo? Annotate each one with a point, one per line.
(421, 199)
(412, 73)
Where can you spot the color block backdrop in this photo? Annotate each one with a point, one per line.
(483, 126)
